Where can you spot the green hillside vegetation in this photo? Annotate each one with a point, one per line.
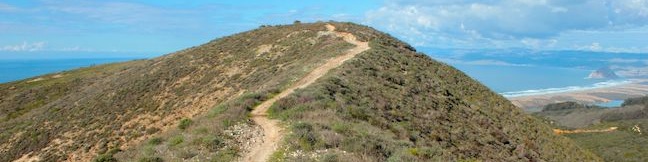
(387, 104)
(570, 115)
(568, 107)
(393, 104)
(627, 143)
(635, 101)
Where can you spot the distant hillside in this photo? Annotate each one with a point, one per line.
(603, 73)
(388, 103)
(626, 143)
(635, 101)
(575, 115)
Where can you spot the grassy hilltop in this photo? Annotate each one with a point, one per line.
(389, 103)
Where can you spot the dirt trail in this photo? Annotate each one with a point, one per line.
(560, 131)
(272, 132)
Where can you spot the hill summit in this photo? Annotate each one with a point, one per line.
(603, 73)
(303, 92)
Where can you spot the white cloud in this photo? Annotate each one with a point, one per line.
(621, 60)
(599, 47)
(595, 47)
(140, 17)
(41, 46)
(25, 46)
(8, 8)
(482, 62)
(497, 19)
(559, 9)
(504, 23)
(539, 43)
(635, 8)
(75, 49)
(494, 62)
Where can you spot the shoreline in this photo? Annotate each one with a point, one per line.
(535, 92)
(534, 103)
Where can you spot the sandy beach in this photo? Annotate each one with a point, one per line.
(533, 103)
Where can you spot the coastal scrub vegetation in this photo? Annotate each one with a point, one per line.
(118, 105)
(387, 104)
(393, 104)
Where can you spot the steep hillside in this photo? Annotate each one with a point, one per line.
(388, 103)
(86, 112)
(394, 104)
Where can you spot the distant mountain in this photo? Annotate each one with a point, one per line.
(387, 103)
(603, 73)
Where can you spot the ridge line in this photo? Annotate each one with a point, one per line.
(272, 132)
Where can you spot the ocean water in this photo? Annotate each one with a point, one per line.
(520, 78)
(519, 72)
(611, 104)
(514, 81)
(18, 69)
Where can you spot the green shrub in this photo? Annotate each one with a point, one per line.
(108, 156)
(229, 154)
(226, 123)
(176, 140)
(155, 141)
(105, 158)
(358, 113)
(217, 111)
(185, 123)
(413, 151)
(211, 142)
(341, 127)
(306, 138)
(278, 156)
(114, 151)
(150, 159)
(330, 157)
(403, 156)
(201, 130)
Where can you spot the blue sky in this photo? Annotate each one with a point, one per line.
(159, 26)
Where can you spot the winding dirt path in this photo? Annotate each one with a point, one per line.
(272, 132)
(560, 131)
